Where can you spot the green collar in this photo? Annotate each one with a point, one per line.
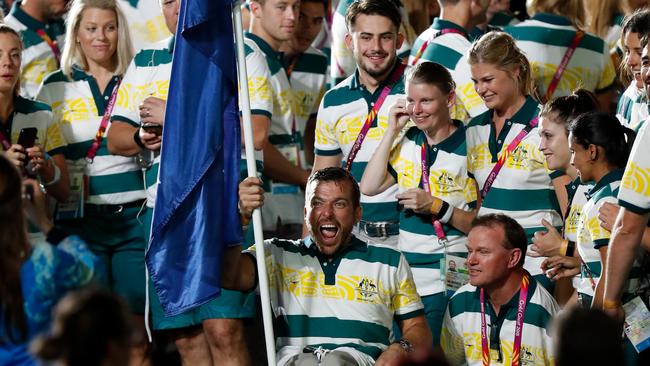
(440, 24)
(527, 112)
(265, 47)
(355, 245)
(613, 176)
(355, 83)
(552, 19)
(101, 99)
(27, 19)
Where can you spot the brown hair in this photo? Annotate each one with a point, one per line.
(433, 74)
(5, 29)
(568, 107)
(385, 8)
(14, 249)
(514, 236)
(499, 49)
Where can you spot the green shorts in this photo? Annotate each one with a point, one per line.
(115, 235)
(229, 305)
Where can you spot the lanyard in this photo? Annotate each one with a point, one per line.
(521, 307)
(440, 233)
(397, 74)
(434, 36)
(53, 45)
(563, 64)
(504, 156)
(99, 136)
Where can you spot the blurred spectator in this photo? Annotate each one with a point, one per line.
(90, 328)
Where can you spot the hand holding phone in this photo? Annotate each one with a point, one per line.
(27, 139)
(153, 128)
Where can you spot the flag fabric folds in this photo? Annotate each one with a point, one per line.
(196, 214)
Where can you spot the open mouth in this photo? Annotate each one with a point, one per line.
(328, 231)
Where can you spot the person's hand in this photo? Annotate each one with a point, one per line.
(392, 356)
(35, 205)
(416, 199)
(151, 141)
(560, 266)
(398, 116)
(251, 196)
(607, 215)
(152, 110)
(16, 154)
(37, 158)
(546, 244)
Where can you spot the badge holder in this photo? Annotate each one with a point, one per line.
(637, 324)
(73, 207)
(291, 152)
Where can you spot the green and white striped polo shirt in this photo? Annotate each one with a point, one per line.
(38, 60)
(545, 38)
(29, 113)
(632, 109)
(342, 113)
(634, 193)
(308, 78)
(78, 106)
(146, 22)
(147, 76)
(360, 291)
(342, 63)
(461, 329)
(282, 201)
(592, 236)
(523, 188)
(448, 180)
(576, 192)
(450, 50)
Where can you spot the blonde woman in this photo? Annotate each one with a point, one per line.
(548, 38)
(503, 158)
(107, 191)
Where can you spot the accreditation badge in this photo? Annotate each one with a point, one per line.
(637, 323)
(455, 272)
(73, 207)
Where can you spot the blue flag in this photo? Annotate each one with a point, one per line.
(196, 214)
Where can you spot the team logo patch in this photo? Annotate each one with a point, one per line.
(367, 289)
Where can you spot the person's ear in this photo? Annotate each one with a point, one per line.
(515, 257)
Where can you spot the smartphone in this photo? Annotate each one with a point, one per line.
(154, 128)
(27, 137)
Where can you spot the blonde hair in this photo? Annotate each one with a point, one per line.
(572, 9)
(5, 29)
(600, 15)
(499, 49)
(72, 52)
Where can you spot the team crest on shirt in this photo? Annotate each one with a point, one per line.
(527, 356)
(367, 290)
(518, 157)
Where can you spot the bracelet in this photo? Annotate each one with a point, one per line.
(570, 248)
(563, 247)
(611, 304)
(436, 206)
(57, 177)
(445, 212)
(406, 345)
(136, 138)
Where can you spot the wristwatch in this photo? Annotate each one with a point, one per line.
(406, 345)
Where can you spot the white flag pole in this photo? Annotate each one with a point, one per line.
(244, 103)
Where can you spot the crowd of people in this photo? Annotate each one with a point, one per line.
(441, 182)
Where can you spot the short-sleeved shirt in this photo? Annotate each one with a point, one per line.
(592, 236)
(29, 113)
(632, 108)
(577, 194)
(461, 329)
(448, 180)
(545, 38)
(450, 50)
(360, 291)
(283, 201)
(341, 115)
(342, 60)
(523, 188)
(146, 22)
(147, 76)
(308, 78)
(38, 59)
(78, 106)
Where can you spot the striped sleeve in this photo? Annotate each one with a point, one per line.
(126, 107)
(406, 301)
(55, 143)
(259, 85)
(634, 192)
(451, 341)
(326, 142)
